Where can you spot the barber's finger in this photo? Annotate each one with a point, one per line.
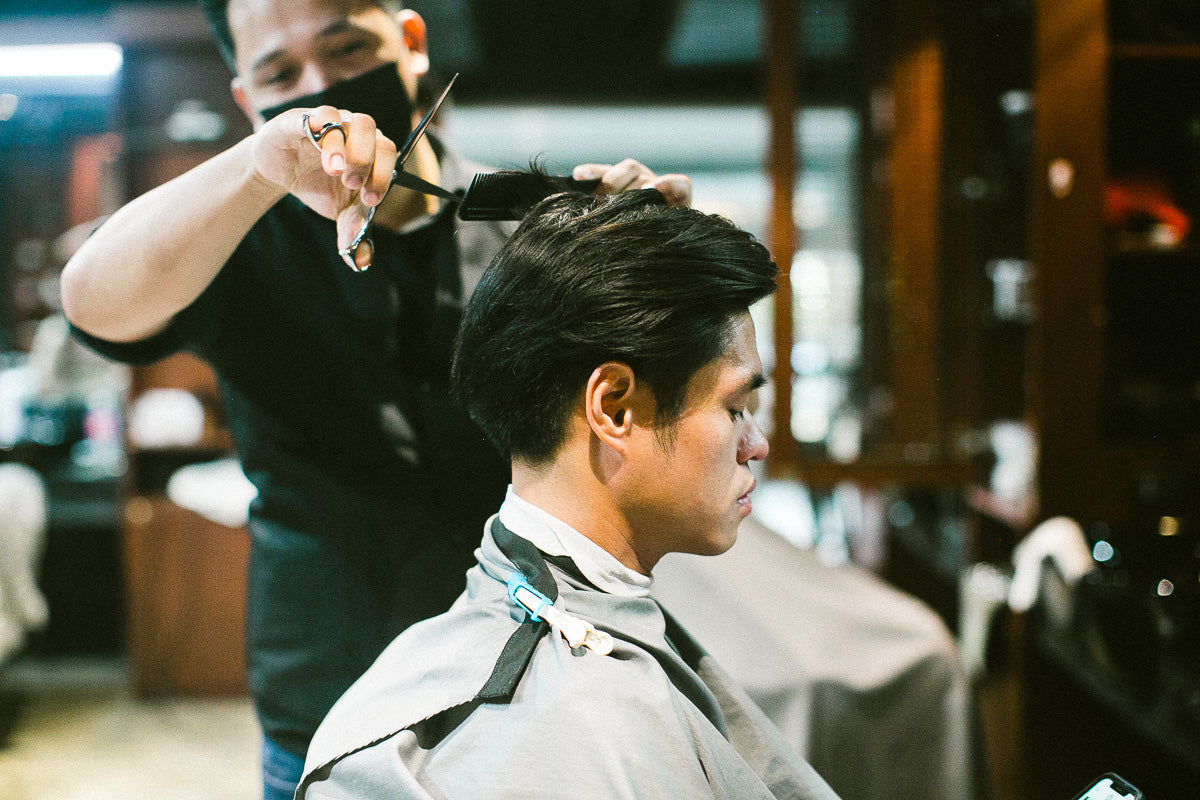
(590, 172)
(626, 175)
(380, 177)
(676, 188)
(332, 142)
(360, 150)
(623, 176)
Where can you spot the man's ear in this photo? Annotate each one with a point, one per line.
(609, 403)
(238, 90)
(415, 39)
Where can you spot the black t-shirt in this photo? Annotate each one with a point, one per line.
(372, 487)
(337, 381)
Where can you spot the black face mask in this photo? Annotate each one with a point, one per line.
(378, 93)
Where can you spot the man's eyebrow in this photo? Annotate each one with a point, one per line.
(755, 381)
(332, 29)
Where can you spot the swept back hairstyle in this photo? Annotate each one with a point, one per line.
(217, 14)
(587, 280)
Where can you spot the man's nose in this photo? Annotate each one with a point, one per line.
(313, 78)
(753, 445)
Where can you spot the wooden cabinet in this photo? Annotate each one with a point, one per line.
(1113, 377)
(187, 599)
(1115, 362)
(185, 575)
(1070, 135)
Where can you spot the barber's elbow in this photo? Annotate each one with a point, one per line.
(86, 305)
(74, 295)
(99, 301)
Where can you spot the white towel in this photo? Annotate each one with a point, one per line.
(22, 540)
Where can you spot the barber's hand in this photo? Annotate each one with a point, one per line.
(349, 173)
(630, 174)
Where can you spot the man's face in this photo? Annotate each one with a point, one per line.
(691, 493)
(291, 48)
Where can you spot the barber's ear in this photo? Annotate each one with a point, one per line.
(238, 90)
(415, 39)
(609, 403)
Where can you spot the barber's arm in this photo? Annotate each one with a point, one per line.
(152, 258)
(630, 174)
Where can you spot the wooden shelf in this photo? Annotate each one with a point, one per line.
(1147, 51)
(881, 473)
(186, 581)
(1185, 253)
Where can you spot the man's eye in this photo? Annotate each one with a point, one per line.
(737, 414)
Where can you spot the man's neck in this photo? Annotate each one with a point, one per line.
(577, 498)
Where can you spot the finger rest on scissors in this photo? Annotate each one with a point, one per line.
(316, 136)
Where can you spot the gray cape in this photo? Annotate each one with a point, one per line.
(482, 702)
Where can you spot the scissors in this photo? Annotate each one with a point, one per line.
(399, 176)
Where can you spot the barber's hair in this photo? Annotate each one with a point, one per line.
(588, 280)
(216, 12)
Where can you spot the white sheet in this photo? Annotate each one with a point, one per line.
(864, 680)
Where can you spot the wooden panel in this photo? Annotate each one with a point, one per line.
(182, 371)
(186, 591)
(1068, 251)
(779, 28)
(892, 470)
(914, 201)
(1001, 703)
(92, 189)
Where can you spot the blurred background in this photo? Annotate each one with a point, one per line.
(986, 324)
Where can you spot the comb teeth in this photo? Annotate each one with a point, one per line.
(507, 195)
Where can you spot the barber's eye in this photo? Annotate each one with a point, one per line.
(349, 49)
(277, 78)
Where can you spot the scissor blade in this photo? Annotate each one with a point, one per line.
(410, 181)
(418, 131)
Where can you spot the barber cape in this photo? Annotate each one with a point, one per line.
(485, 702)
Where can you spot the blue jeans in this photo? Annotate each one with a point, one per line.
(281, 771)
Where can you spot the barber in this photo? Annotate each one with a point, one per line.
(372, 487)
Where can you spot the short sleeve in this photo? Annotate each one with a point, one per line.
(195, 329)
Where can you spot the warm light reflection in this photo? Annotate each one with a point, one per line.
(1168, 526)
(101, 59)
(1165, 588)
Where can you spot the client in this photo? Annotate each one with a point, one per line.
(609, 351)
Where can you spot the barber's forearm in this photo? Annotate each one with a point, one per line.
(156, 255)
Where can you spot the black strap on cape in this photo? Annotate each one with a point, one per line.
(571, 568)
(514, 658)
(518, 650)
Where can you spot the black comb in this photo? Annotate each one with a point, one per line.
(508, 194)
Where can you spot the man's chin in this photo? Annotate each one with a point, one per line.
(721, 541)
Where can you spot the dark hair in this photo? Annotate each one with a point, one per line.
(217, 14)
(583, 281)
